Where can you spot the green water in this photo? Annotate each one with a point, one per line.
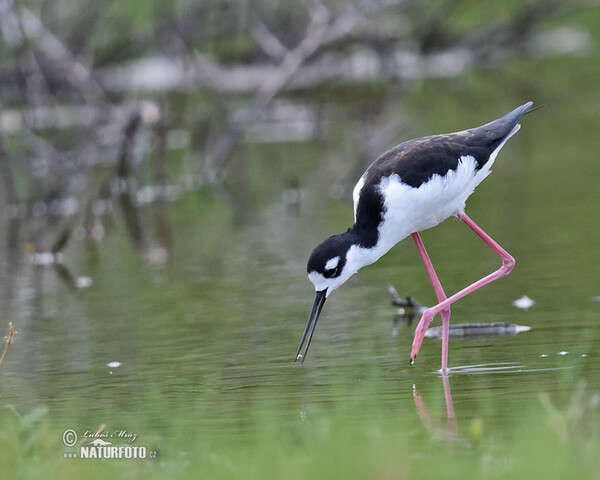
(206, 342)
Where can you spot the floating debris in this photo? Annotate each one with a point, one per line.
(407, 312)
(563, 353)
(408, 307)
(464, 330)
(524, 302)
(114, 364)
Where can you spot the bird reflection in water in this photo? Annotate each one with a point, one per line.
(437, 429)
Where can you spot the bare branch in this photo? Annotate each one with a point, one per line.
(6, 174)
(36, 88)
(319, 32)
(263, 37)
(76, 71)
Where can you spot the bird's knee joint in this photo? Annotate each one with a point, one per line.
(508, 263)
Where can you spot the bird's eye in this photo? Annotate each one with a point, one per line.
(331, 267)
(332, 272)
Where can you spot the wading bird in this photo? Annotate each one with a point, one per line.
(413, 187)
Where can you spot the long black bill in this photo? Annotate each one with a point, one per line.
(311, 324)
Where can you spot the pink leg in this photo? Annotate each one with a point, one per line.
(508, 263)
(441, 296)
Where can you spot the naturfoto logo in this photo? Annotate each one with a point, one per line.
(100, 444)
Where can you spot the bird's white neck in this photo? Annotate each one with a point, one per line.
(359, 257)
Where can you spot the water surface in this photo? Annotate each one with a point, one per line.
(206, 341)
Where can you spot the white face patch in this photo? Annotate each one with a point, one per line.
(356, 258)
(332, 263)
(319, 281)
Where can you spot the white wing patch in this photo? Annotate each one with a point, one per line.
(356, 193)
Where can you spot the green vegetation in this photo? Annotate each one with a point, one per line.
(349, 440)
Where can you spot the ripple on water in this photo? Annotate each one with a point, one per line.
(501, 367)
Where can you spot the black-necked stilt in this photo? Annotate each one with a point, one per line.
(412, 187)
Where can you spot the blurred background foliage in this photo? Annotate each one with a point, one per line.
(165, 169)
(139, 101)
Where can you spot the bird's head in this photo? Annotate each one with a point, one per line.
(330, 264)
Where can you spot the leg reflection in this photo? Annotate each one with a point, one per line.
(448, 430)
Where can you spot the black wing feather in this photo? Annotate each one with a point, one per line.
(416, 161)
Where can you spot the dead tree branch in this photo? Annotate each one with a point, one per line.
(319, 32)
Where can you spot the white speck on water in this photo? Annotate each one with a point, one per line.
(563, 353)
(584, 355)
(521, 328)
(544, 355)
(524, 302)
(83, 282)
(114, 364)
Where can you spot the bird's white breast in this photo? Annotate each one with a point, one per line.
(408, 209)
